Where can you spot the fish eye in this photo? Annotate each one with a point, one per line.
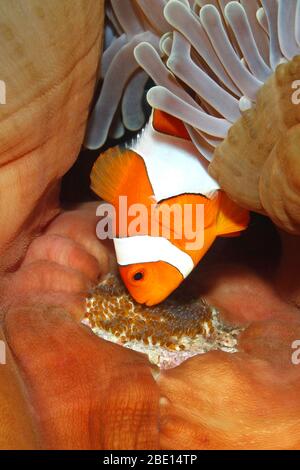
(138, 276)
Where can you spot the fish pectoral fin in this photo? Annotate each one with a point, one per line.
(232, 219)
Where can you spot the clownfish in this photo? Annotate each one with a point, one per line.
(160, 168)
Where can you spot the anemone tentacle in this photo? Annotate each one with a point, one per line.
(128, 23)
(220, 53)
(208, 59)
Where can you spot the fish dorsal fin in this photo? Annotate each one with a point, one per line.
(121, 172)
(170, 125)
(232, 218)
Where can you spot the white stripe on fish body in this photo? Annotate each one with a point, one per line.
(146, 249)
(174, 165)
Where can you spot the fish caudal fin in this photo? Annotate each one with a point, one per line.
(120, 172)
(232, 219)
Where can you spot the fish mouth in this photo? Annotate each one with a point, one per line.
(152, 302)
(146, 300)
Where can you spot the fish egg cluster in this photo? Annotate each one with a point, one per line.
(169, 333)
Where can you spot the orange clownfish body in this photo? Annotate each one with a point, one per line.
(184, 208)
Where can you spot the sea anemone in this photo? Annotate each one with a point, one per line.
(120, 103)
(223, 54)
(230, 74)
(223, 68)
